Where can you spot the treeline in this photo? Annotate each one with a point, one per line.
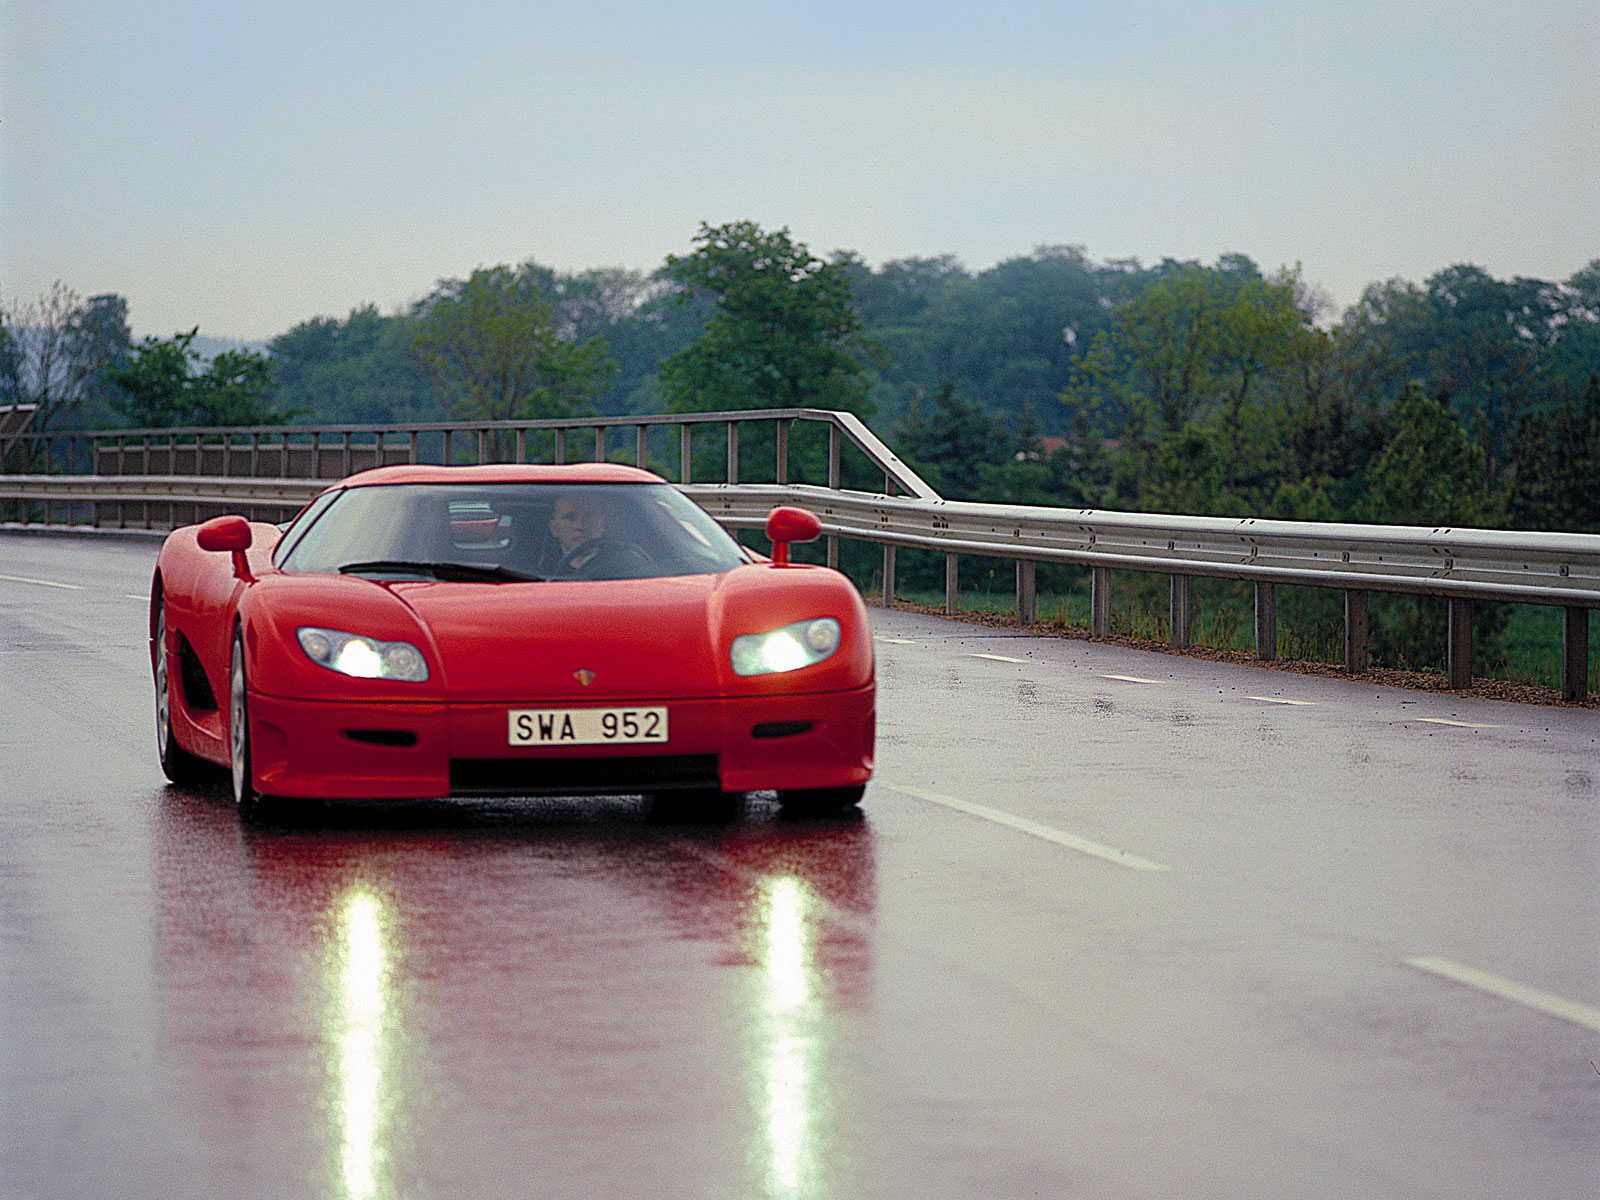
(1050, 378)
(1466, 400)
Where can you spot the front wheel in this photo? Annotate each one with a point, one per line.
(820, 802)
(246, 799)
(177, 764)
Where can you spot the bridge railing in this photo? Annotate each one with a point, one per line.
(156, 478)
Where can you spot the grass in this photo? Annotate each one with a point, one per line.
(1310, 623)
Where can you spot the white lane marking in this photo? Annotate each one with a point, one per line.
(1457, 724)
(897, 641)
(998, 658)
(1033, 829)
(71, 587)
(1130, 679)
(131, 596)
(1281, 700)
(1509, 989)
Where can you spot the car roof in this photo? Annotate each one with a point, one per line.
(502, 473)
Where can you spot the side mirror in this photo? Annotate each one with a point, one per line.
(785, 525)
(230, 534)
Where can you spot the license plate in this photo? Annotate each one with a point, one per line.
(586, 726)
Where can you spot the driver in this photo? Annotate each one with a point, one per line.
(579, 526)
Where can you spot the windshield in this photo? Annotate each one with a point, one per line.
(505, 532)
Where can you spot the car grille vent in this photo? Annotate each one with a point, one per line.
(581, 776)
(382, 737)
(780, 729)
(197, 693)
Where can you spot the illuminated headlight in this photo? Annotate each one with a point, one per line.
(365, 658)
(787, 648)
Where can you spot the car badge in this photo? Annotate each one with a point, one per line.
(584, 676)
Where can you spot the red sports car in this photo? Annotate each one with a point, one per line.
(428, 632)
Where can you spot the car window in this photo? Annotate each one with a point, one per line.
(295, 529)
(635, 530)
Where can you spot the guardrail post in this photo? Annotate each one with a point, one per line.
(1027, 593)
(522, 445)
(1266, 622)
(783, 451)
(561, 446)
(952, 586)
(1458, 643)
(642, 448)
(1575, 655)
(412, 449)
(685, 459)
(1100, 602)
(833, 482)
(888, 576)
(733, 452)
(599, 443)
(1355, 630)
(1180, 609)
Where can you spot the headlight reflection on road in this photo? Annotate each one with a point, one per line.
(363, 991)
(791, 1045)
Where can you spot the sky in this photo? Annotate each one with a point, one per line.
(245, 167)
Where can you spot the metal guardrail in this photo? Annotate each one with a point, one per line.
(301, 451)
(233, 469)
(1533, 568)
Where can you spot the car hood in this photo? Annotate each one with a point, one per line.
(629, 639)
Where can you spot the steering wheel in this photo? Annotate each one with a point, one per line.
(609, 558)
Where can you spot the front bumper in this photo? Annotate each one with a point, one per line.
(314, 749)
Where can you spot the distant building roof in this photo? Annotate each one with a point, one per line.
(15, 418)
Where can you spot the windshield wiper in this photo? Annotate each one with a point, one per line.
(451, 571)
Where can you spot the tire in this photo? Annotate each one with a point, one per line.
(246, 799)
(177, 764)
(820, 802)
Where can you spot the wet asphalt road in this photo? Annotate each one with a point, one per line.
(1149, 936)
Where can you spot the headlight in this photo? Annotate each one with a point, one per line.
(365, 658)
(787, 648)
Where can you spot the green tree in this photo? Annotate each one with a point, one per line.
(1492, 337)
(1493, 347)
(1430, 474)
(157, 385)
(491, 346)
(783, 331)
(1196, 370)
(359, 369)
(151, 387)
(952, 442)
(1161, 351)
(1555, 466)
(641, 320)
(1261, 334)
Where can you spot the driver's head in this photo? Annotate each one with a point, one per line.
(576, 519)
